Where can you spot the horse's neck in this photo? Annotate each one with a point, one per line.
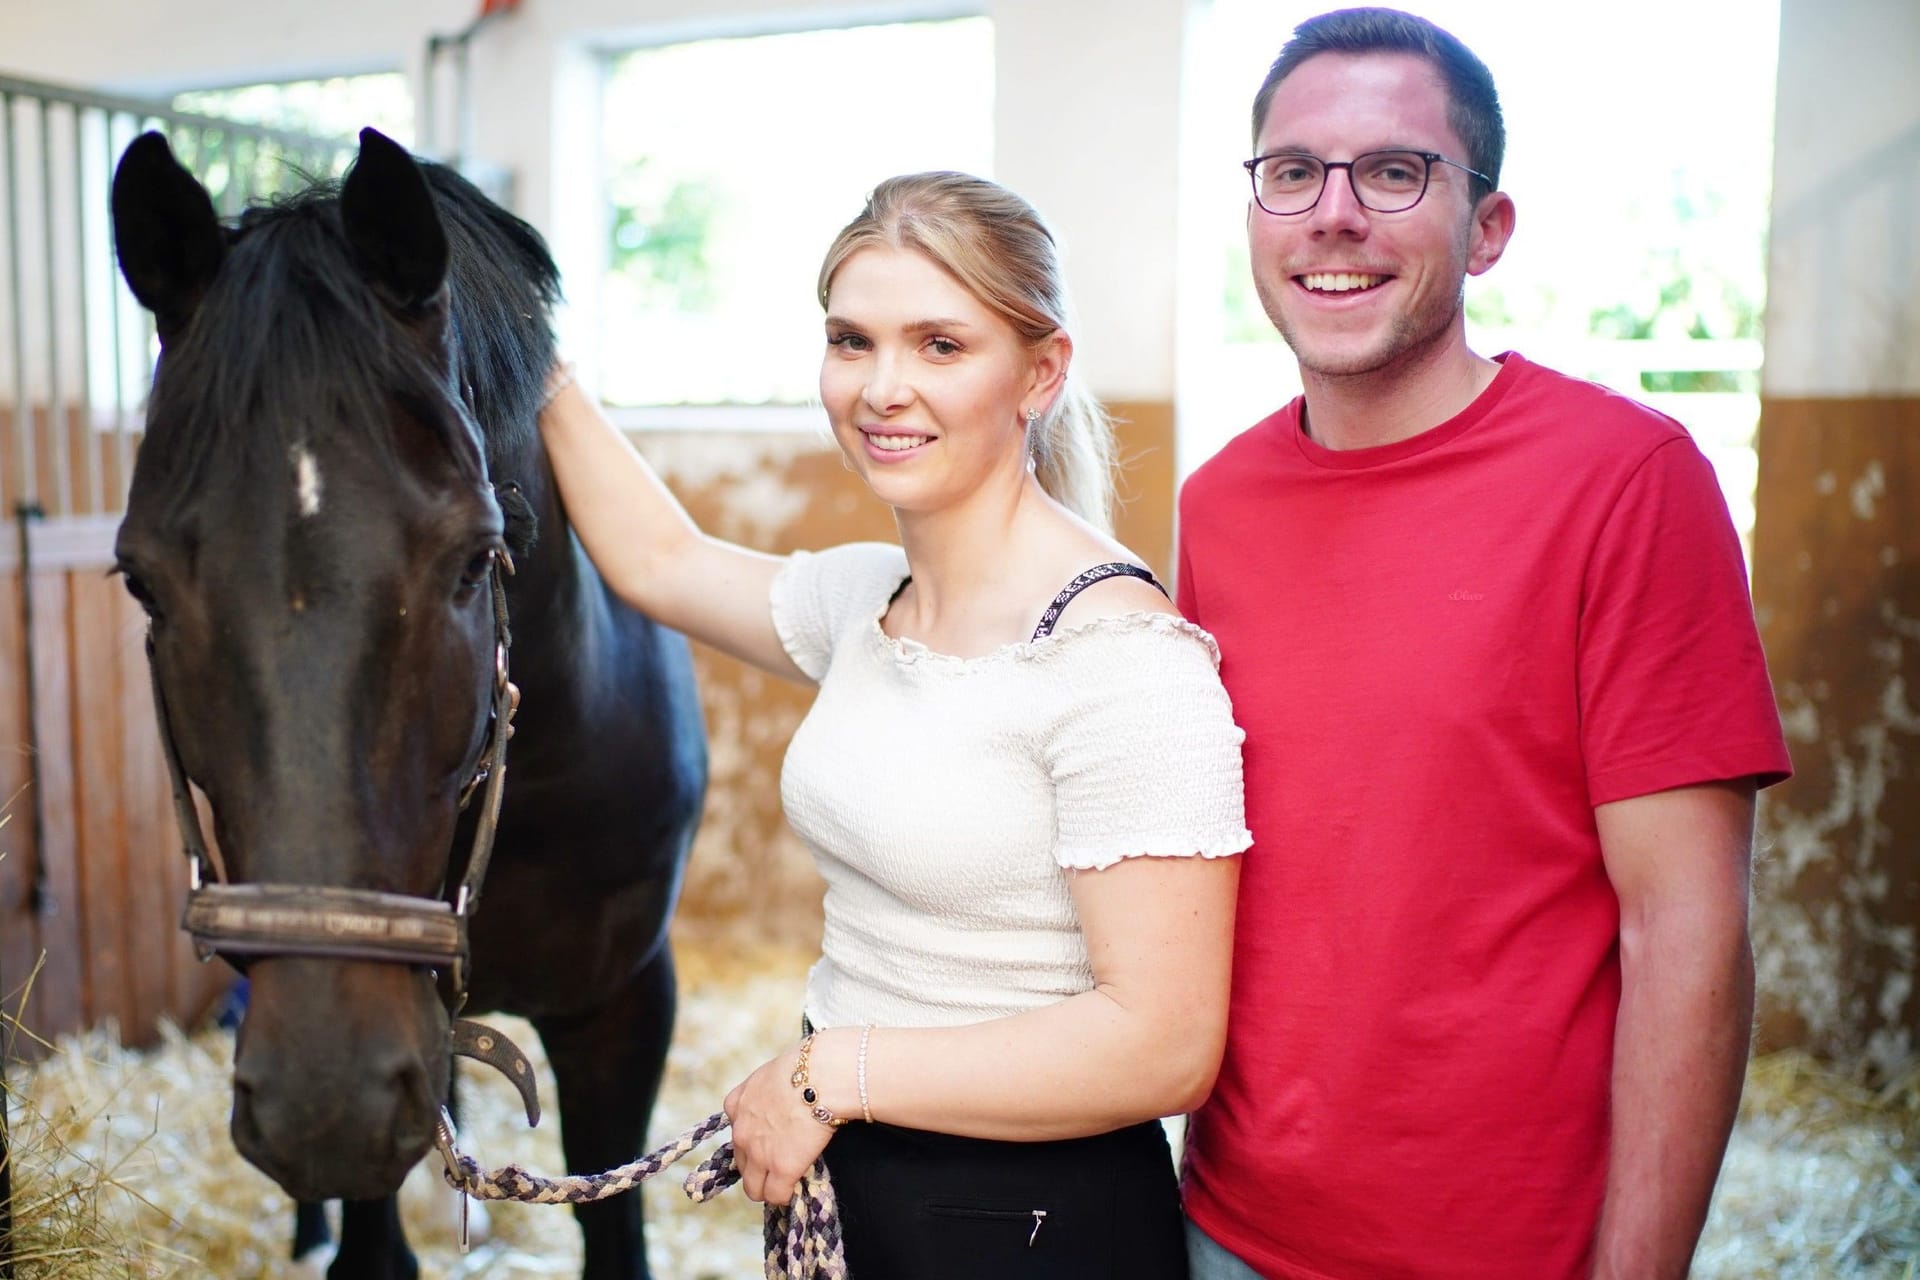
(549, 585)
(561, 617)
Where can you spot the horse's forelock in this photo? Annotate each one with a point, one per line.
(289, 345)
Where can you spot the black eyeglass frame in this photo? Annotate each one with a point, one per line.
(1328, 166)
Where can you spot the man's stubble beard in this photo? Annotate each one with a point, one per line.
(1411, 333)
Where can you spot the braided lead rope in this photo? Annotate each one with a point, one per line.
(802, 1238)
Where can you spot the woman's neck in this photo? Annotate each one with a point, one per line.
(970, 562)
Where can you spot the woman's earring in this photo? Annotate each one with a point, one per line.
(1033, 416)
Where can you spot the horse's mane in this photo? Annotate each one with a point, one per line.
(504, 288)
(292, 344)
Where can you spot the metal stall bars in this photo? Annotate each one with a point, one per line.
(77, 350)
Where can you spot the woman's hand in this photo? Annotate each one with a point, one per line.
(776, 1138)
(646, 546)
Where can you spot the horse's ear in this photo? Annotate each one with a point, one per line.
(392, 223)
(165, 232)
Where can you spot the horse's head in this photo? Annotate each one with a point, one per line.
(311, 529)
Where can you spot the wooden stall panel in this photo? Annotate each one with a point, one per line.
(98, 731)
(58, 1002)
(147, 934)
(19, 932)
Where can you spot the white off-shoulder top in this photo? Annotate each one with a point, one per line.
(947, 800)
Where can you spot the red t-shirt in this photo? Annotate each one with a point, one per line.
(1445, 652)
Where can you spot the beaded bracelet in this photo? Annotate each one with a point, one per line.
(860, 1072)
(808, 1095)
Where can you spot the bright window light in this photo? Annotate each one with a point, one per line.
(731, 163)
(334, 107)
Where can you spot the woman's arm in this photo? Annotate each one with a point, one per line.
(646, 546)
(1144, 1042)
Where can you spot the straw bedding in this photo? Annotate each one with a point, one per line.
(1822, 1178)
(124, 1168)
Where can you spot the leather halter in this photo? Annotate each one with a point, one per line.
(239, 921)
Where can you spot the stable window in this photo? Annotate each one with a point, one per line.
(333, 107)
(731, 163)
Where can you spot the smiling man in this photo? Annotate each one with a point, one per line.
(1487, 630)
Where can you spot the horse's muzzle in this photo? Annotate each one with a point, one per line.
(339, 1073)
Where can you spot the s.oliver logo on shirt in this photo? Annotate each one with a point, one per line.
(1464, 594)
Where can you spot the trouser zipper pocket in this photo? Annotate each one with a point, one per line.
(989, 1213)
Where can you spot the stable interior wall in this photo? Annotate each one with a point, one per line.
(1084, 89)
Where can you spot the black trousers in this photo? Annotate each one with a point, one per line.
(930, 1206)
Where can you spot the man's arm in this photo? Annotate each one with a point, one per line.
(1680, 862)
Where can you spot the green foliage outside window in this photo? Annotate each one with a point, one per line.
(664, 248)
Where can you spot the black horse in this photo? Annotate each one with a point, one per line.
(340, 447)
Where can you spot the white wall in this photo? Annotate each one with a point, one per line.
(1087, 126)
(1086, 91)
(1843, 304)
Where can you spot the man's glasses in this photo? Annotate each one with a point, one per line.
(1292, 182)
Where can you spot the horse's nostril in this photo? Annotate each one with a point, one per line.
(409, 1083)
(416, 1106)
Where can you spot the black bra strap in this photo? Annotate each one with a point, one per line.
(1099, 573)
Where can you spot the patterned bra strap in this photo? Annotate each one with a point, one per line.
(1099, 573)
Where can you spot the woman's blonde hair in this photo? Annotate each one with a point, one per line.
(994, 243)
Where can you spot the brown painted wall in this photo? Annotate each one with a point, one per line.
(1836, 579)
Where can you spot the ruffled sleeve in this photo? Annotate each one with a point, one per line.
(818, 599)
(1145, 757)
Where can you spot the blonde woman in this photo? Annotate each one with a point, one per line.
(1020, 778)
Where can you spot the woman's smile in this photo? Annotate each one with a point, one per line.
(893, 444)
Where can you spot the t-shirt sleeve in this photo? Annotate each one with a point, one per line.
(819, 598)
(1145, 760)
(1673, 684)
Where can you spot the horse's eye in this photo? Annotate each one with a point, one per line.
(138, 589)
(475, 574)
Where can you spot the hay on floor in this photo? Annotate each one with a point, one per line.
(125, 1168)
(1821, 1180)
